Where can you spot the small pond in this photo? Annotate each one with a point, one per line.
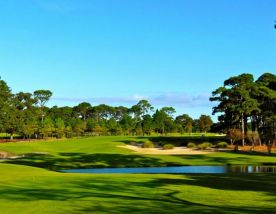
(179, 170)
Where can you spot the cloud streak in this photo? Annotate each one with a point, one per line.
(165, 99)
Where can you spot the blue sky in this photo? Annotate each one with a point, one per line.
(173, 53)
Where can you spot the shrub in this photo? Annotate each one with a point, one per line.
(234, 135)
(204, 146)
(161, 143)
(148, 144)
(168, 146)
(133, 143)
(222, 145)
(191, 145)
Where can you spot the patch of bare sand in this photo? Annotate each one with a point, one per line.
(4, 154)
(160, 151)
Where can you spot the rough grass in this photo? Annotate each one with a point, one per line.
(26, 189)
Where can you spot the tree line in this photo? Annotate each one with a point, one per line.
(247, 109)
(26, 115)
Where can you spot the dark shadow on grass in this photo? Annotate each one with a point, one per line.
(84, 161)
(104, 200)
(235, 182)
(254, 153)
(213, 159)
(148, 195)
(102, 160)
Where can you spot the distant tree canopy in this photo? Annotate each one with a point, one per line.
(27, 115)
(247, 107)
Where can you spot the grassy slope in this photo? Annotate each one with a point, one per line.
(26, 189)
(103, 152)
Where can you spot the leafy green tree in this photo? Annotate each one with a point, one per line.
(253, 137)
(102, 112)
(163, 120)
(235, 135)
(65, 113)
(236, 101)
(47, 127)
(13, 121)
(42, 97)
(29, 129)
(26, 114)
(140, 109)
(79, 127)
(159, 118)
(196, 126)
(127, 124)
(169, 111)
(23, 101)
(147, 124)
(90, 124)
(186, 122)
(113, 127)
(119, 112)
(82, 110)
(29, 123)
(205, 123)
(68, 131)
(266, 118)
(138, 129)
(5, 103)
(59, 127)
(100, 129)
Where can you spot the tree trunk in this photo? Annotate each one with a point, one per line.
(236, 147)
(253, 123)
(269, 147)
(245, 125)
(42, 116)
(258, 121)
(242, 127)
(253, 142)
(260, 142)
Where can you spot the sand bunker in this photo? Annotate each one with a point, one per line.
(5, 155)
(160, 151)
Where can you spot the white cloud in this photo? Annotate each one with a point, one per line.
(165, 99)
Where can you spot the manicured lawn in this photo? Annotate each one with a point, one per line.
(26, 189)
(104, 152)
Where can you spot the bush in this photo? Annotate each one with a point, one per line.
(161, 143)
(168, 146)
(148, 144)
(204, 146)
(133, 143)
(222, 145)
(191, 145)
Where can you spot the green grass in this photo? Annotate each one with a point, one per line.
(30, 190)
(104, 152)
(27, 189)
